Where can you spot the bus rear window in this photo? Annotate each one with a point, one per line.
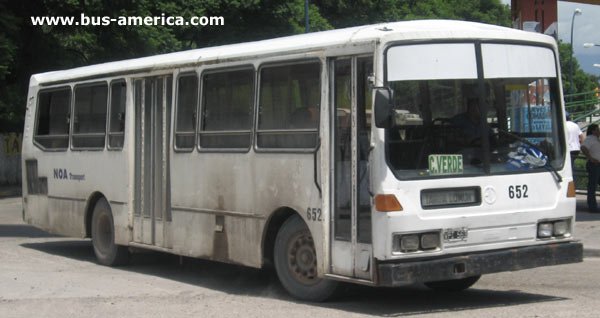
(52, 126)
(89, 120)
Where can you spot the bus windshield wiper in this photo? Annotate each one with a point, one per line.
(547, 165)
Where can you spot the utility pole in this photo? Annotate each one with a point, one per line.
(306, 24)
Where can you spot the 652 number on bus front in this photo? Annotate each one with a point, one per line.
(518, 191)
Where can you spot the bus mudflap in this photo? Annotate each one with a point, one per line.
(457, 267)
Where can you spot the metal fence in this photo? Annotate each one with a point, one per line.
(585, 110)
(580, 174)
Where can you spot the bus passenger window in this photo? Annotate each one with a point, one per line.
(116, 132)
(290, 96)
(227, 108)
(187, 103)
(52, 126)
(89, 120)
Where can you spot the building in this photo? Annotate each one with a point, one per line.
(535, 15)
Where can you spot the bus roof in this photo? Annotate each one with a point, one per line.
(393, 31)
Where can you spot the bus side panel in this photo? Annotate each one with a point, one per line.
(35, 208)
(221, 201)
(191, 233)
(288, 180)
(71, 180)
(243, 249)
(121, 214)
(71, 177)
(66, 217)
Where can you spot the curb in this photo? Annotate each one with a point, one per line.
(592, 252)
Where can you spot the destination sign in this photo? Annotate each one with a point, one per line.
(445, 164)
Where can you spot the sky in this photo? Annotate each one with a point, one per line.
(586, 30)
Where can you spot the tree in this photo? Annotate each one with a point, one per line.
(582, 81)
(357, 12)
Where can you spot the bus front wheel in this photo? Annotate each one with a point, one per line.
(295, 261)
(103, 237)
(454, 285)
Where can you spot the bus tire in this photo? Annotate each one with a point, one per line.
(103, 237)
(453, 285)
(296, 262)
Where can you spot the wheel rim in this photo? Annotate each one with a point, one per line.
(103, 233)
(302, 258)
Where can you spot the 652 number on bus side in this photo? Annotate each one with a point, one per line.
(314, 214)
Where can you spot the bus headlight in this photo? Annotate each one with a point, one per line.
(430, 241)
(409, 243)
(416, 242)
(545, 230)
(554, 229)
(561, 228)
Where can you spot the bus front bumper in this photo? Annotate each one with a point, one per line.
(456, 267)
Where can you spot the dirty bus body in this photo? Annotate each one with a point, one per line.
(392, 154)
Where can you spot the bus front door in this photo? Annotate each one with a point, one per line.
(152, 205)
(351, 247)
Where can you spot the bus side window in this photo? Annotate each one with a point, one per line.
(89, 126)
(187, 104)
(227, 108)
(116, 132)
(52, 126)
(289, 106)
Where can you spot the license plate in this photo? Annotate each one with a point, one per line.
(456, 235)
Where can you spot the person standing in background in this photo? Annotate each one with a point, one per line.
(574, 139)
(591, 150)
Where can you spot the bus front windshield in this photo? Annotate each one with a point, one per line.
(473, 109)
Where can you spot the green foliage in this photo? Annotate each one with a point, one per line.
(26, 49)
(582, 82)
(356, 12)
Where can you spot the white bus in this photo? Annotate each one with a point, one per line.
(411, 152)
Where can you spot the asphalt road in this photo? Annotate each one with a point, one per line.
(49, 276)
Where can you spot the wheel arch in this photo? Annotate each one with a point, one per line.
(273, 224)
(89, 210)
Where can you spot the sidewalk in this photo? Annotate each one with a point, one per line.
(587, 226)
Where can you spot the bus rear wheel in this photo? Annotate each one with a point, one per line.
(295, 261)
(454, 285)
(103, 237)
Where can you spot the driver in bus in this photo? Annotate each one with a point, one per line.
(470, 131)
(469, 122)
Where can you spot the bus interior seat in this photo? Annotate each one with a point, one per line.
(301, 119)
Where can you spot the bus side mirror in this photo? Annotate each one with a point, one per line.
(383, 107)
